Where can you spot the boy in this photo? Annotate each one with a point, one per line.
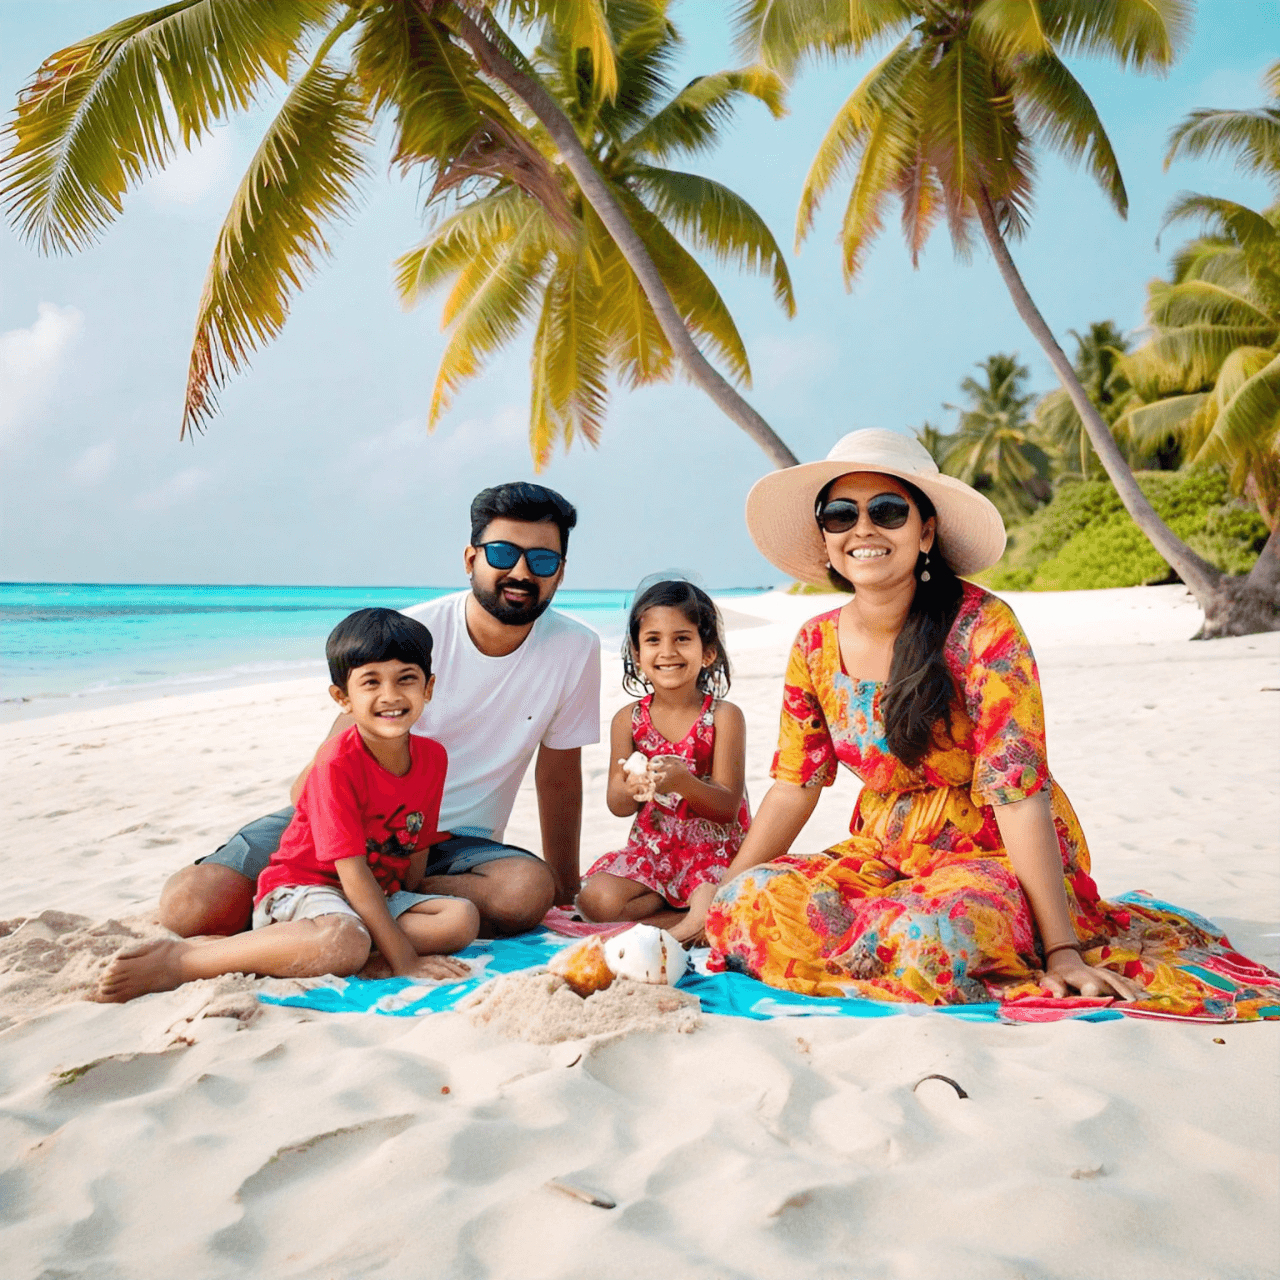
(364, 823)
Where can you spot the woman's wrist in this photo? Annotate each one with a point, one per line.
(1050, 952)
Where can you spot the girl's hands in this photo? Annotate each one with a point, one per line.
(689, 932)
(669, 775)
(1066, 970)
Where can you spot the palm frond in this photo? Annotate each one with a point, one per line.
(1143, 34)
(1203, 302)
(1058, 111)
(493, 297)
(718, 220)
(638, 349)
(1246, 434)
(788, 33)
(691, 121)
(923, 203)
(101, 113)
(971, 138)
(1011, 30)
(1227, 220)
(698, 301)
(569, 366)
(847, 134)
(469, 232)
(1253, 135)
(1185, 359)
(1186, 418)
(583, 26)
(305, 174)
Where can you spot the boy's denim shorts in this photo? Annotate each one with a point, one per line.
(250, 849)
(311, 901)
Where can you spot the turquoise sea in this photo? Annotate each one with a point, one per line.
(65, 646)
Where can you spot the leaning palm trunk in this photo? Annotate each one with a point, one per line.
(561, 131)
(1232, 606)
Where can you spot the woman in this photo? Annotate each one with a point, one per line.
(966, 874)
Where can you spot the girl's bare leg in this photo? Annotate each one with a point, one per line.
(335, 944)
(604, 898)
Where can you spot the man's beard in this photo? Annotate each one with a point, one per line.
(513, 615)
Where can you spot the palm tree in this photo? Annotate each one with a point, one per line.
(1098, 352)
(946, 122)
(509, 258)
(1209, 376)
(992, 448)
(443, 75)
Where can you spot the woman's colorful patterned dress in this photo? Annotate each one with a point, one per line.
(921, 902)
(671, 849)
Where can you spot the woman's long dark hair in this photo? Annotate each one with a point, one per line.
(920, 691)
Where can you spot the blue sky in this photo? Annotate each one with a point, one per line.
(320, 469)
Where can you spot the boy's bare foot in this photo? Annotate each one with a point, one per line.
(154, 965)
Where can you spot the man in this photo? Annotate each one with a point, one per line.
(513, 678)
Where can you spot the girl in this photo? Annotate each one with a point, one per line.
(691, 809)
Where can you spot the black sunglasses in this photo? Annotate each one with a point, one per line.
(542, 562)
(887, 511)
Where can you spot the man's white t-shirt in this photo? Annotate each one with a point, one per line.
(492, 714)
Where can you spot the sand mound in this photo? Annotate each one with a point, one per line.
(56, 956)
(540, 1008)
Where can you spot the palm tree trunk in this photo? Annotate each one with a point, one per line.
(1199, 575)
(534, 95)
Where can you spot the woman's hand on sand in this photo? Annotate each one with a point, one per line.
(1066, 970)
(438, 969)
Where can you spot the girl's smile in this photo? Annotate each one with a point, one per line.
(669, 651)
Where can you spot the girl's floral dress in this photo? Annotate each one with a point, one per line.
(671, 849)
(920, 903)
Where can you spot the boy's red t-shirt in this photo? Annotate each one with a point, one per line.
(351, 806)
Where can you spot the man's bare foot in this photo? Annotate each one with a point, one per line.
(154, 965)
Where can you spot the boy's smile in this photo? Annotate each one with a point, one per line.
(385, 698)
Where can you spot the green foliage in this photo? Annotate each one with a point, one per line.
(1084, 538)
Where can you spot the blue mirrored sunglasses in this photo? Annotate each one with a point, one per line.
(542, 562)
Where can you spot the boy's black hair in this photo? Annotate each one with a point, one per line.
(520, 500)
(700, 610)
(376, 635)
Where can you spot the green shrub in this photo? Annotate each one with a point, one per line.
(1084, 538)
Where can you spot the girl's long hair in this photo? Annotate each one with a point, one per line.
(920, 691)
(700, 611)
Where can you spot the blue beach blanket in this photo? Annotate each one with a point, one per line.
(733, 994)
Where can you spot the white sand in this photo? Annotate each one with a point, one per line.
(185, 1134)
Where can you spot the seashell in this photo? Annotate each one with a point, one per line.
(636, 764)
(644, 953)
(583, 966)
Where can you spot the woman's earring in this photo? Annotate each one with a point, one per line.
(924, 574)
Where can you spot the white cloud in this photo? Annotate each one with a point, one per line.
(29, 360)
(94, 465)
(179, 488)
(192, 175)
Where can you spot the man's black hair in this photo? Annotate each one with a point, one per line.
(520, 500)
(376, 635)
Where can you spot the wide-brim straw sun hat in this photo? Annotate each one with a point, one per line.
(780, 515)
